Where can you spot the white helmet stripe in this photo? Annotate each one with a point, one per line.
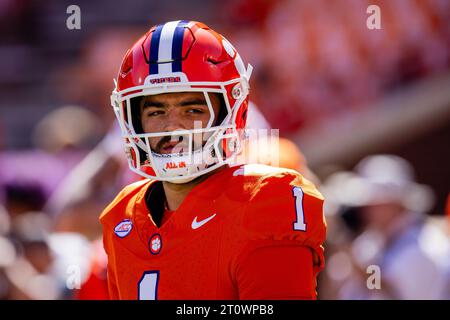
(165, 47)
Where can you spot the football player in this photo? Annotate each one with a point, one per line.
(199, 226)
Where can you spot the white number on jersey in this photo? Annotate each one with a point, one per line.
(299, 224)
(148, 285)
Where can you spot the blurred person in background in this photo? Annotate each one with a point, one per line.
(25, 257)
(385, 214)
(35, 257)
(31, 272)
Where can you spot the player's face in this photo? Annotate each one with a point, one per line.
(175, 111)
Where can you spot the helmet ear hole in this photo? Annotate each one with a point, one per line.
(222, 110)
(137, 125)
(136, 114)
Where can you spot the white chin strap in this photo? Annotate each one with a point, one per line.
(182, 168)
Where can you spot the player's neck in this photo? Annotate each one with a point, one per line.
(176, 193)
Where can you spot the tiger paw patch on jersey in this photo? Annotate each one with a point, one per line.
(155, 244)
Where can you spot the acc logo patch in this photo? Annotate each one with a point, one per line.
(155, 244)
(123, 228)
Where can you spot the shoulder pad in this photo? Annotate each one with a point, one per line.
(119, 204)
(286, 206)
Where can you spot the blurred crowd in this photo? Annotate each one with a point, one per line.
(319, 59)
(62, 159)
(382, 244)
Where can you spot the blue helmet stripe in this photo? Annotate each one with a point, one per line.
(154, 49)
(177, 45)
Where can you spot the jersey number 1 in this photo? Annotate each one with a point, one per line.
(299, 224)
(148, 286)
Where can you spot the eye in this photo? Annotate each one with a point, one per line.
(195, 111)
(154, 113)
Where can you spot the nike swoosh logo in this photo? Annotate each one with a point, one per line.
(197, 224)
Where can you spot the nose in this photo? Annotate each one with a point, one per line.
(173, 121)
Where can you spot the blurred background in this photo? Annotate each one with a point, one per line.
(363, 113)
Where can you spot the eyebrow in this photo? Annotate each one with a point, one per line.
(188, 102)
(155, 104)
(193, 101)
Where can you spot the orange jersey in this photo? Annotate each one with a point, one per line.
(246, 232)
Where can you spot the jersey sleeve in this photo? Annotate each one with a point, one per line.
(287, 207)
(121, 200)
(115, 212)
(275, 270)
